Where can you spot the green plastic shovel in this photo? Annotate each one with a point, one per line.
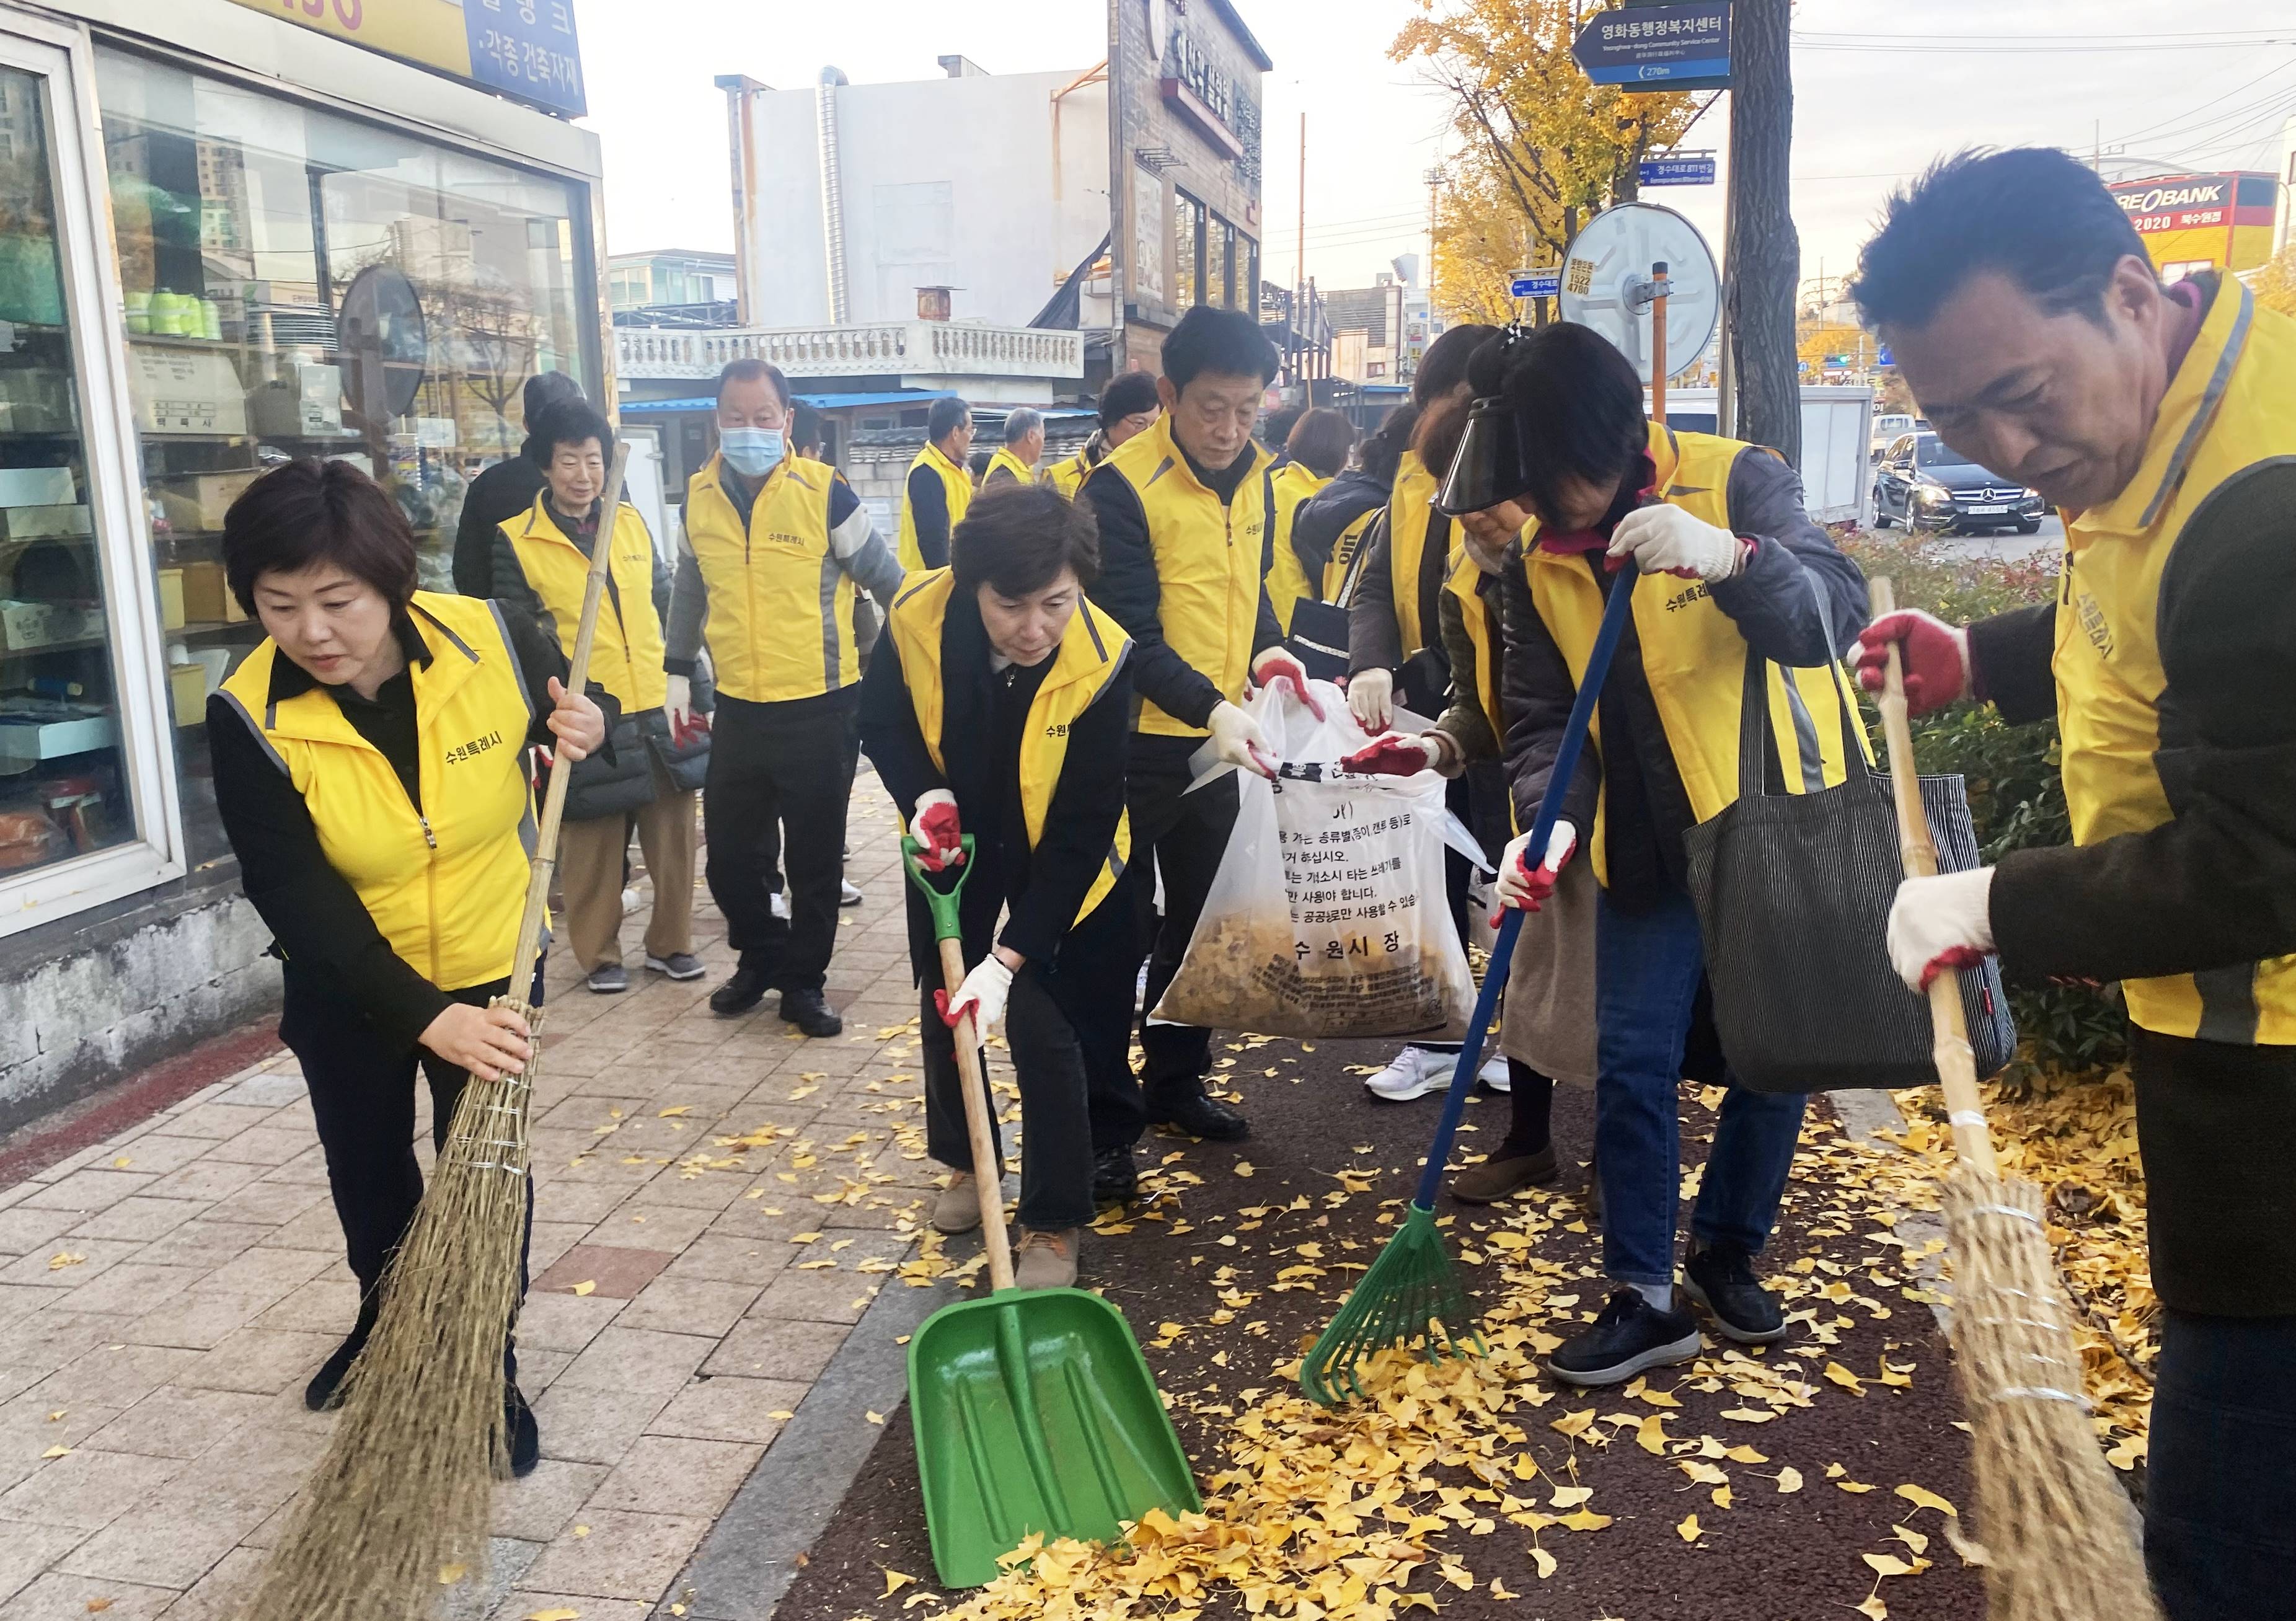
(1034, 1410)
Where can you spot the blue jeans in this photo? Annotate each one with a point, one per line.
(1647, 968)
(2220, 1484)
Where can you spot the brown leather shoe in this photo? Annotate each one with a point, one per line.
(956, 1208)
(1045, 1260)
(1493, 1180)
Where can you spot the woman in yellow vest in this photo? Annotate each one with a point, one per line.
(370, 770)
(939, 486)
(1731, 576)
(2161, 421)
(541, 566)
(1337, 520)
(999, 708)
(1128, 407)
(1315, 451)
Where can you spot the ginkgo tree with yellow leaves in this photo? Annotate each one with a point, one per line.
(1542, 149)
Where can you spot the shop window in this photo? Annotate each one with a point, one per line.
(1219, 265)
(302, 284)
(1188, 252)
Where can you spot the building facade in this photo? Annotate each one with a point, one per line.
(231, 236)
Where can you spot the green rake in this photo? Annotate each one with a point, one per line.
(1412, 1298)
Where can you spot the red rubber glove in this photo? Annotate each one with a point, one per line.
(935, 828)
(1936, 656)
(1275, 665)
(1398, 756)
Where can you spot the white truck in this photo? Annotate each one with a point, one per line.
(1837, 473)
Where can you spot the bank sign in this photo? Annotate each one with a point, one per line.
(2192, 221)
(2181, 202)
(524, 49)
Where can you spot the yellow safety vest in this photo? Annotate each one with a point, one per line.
(1021, 471)
(1068, 475)
(1410, 516)
(1287, 580)
(445, 885)
(1207, 562)
(2231, 403)
(1693, 655)
(1464, 578)
(956, 485)
(1092, 649)
(626, 655)
(780, 624)
(1343, 552)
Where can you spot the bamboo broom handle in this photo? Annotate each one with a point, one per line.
(1956, 1063)
(561, 769)
(988, 1174)
(1658, 343)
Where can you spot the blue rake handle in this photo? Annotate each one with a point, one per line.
(1550, 807)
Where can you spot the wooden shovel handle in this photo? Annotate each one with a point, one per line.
(1956, 1063)
(988, 1178)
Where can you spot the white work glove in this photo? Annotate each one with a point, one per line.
(1665, 539)
(679, 705)
(1237, 740)
(982, 994)
(1371, 699)
(1523, 885)
(1939, 923)
(937, 830)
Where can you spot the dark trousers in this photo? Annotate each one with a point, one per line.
(1056, 1132)
(780, 784)
(1187, 833)
(363, 1101)
(1096, 979)
(2220, 1484)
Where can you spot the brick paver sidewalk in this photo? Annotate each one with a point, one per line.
(171, 1290)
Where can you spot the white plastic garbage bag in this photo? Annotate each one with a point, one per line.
(1327, 917)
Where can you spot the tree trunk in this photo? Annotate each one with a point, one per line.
(1765, 249)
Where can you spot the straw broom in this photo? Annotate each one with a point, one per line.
(2057, 1527)
(402, 1496)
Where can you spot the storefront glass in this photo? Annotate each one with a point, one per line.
(298, 284)
(63, 762)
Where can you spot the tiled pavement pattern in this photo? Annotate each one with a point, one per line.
(165, 1295)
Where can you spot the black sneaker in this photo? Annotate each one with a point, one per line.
(1115, 1178)
(325, 1390)
(810, 1011)
(1199, 1116)
(525, 1434)
(1721, 1279)
(1631, 1337)
(741, 992)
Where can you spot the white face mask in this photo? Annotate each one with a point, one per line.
(751, 452)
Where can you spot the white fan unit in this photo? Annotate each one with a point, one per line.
(1606, 283)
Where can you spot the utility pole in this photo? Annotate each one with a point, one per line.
(1300, 263)
(1434, 177)
(1765, 247)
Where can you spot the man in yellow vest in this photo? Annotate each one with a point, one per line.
(777, 549)
(1733, 582)
(1024, 447)
(1128, 407)
(1184, 512)
(2029, 322)
(939, 486)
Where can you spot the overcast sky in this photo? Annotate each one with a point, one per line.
(1882, 87)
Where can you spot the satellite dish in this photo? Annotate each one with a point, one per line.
(1606, 283)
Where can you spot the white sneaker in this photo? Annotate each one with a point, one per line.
(1493, 1076)
(847, 895)
(1414, 1072)
(780, 905)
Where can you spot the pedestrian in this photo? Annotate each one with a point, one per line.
(541, 569)
(505, 490)
(369, 763)
(1334, 522)
(2039, 342)
(1395, 641)
(1024, 447)
(777, 549)
(939, 485)
(1317, 450)
(1128, 407)
(999, 709)
(1184, 515)
(1733, 581)
(977, 468)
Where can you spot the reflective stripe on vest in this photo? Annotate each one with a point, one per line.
(1287, 580)
(956, 489)
(446, 884)
(1343, 552)
(1692, 653)
(1209, 562)
(780, 623)
(1412, 513)
(2232, 403)
(626, 655)
(1476, 614)
(1092, 649)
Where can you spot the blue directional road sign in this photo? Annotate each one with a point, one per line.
(1536, 284)
(1885, 358)
(1657, 47)
(1678, 171)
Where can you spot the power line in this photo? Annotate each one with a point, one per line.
(1926, 44)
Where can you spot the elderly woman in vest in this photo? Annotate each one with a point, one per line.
(998, 706)
(541, 569)
(1733, 582)
(370, 770)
